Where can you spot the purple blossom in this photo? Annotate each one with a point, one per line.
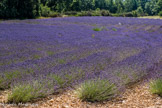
(65, 47)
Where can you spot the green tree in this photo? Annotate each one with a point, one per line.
(130, 5)
(141, 3)
(159, 4)
(120, 6)
(19, 8)
(148, 8)
(152, 7)
(140, 11)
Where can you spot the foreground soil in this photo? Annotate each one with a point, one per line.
(137, 96)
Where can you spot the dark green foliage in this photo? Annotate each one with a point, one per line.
(45, 11)
(159, 5)
(105, 13)
(19, 8)
(96, 90)
(29, 8)
(74, 13)
(128, 14)
(153, 7)
(88, 13)
(160, 13)
(134, 13)
(51, 8)
(130, 5)
(140, 11)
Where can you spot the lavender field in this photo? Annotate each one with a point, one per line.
(64, 52)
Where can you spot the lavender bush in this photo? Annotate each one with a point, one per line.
(96, 90)
(28, 91)
(156, 87)
(123, 51)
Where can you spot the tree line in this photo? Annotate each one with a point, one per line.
(34, 8)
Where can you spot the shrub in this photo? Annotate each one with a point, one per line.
(160, 13)
(45, 11)
(54, 14)
(71, 13)
(86, 13)
(156, 87)
(115, 15)
(134, 13)
(96, 90)
(25, 92)
(105, 13)
(129, 14)
(140, 11)
(79, 14)
(96, 12)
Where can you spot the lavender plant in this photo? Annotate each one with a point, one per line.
(71, 51)
(28, 91)
(156, 87)
(96, 90)
(8, 77)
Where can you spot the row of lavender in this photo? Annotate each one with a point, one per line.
(122, 51)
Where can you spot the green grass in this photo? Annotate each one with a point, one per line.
(114, 29)
(97, 29)
(96, 90)
(156, 87)
(100, 28)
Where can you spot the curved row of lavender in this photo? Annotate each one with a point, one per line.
(123, 51)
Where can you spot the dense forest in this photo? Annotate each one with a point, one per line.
(35, 8)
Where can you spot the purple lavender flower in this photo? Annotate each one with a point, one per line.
(71, 51)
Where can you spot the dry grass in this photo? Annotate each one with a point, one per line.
(151, 17)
